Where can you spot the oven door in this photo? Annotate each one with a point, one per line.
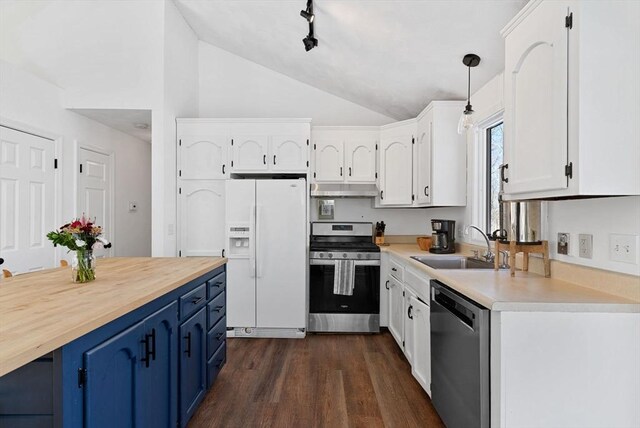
(366, 289)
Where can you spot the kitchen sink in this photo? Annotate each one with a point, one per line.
(453, 262)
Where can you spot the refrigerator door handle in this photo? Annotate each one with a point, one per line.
(257, 236)
(252, 241)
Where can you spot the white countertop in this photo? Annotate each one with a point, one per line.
(527, 291)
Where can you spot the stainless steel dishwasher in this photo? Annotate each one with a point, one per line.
(459, 359)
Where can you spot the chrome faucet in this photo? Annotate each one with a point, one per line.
(488, 256)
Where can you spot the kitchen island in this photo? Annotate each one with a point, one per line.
(146, 332)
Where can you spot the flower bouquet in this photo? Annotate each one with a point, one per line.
(81, 236)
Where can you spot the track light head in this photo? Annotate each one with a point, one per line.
(306, 14)
(310, 42)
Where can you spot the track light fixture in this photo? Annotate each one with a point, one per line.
(310, 41)
(308, 16)
(466, 119)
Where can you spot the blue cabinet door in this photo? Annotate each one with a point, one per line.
(112, 387)
(158, 405)
(193, 364)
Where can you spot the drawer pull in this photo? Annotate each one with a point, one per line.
(217, 308)
(394, 269)
(219, 336)
(217, 284)
(197, 300)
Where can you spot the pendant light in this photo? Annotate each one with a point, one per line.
(466, 119)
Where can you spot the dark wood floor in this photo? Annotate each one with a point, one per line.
(319, 381)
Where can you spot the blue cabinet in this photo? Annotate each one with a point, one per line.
(113, 386)
(149, 368)
(193, 364)
(131, 378)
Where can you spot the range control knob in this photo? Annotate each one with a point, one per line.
(321, 255)
(359, 255)
(344, 255)
(330, 255)
(368, 256)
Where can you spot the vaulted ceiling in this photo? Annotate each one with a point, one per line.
(393, 57)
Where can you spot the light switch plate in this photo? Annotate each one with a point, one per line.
(585, 245)
(563, 243)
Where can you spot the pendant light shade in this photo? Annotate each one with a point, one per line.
(466, 119)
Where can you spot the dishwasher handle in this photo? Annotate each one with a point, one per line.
(461, 309)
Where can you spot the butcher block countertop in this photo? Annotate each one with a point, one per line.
(527, 291)
(42, 311)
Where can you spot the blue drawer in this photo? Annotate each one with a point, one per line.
(215, 363)
(193, 300)
(216, 336)
(216, 285)
(216, 309)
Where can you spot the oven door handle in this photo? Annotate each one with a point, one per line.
(331, 262)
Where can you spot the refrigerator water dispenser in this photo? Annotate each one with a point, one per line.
(239, 241)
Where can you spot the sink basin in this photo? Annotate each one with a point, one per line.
(453, 262)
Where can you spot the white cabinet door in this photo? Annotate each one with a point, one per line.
(421, 364)
(535, 117)
(201, 221)
(396, 310)
(289, 153)
(396, 172)
(360, 161)
(329, 160)
(424, 143)
(249, 153)
(203, 157)
(409, 324)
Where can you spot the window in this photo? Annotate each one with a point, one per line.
(494, 140)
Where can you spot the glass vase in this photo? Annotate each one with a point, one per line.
(83, 267)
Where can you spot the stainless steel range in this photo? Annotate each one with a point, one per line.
(344, 293)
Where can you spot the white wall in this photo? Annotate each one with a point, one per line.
(599, 217)
(31, 104)
(231, 86)
(105, 54)
(399, 221)
(179, 99)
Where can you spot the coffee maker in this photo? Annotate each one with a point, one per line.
(444, 236)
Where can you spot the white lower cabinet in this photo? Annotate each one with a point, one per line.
(421, 362)
(396, 309)
(409, 325)
(407, 311)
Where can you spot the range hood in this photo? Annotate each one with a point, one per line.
(339, 190)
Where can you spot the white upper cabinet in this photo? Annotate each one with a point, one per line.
(328, 160)
(345, 154)
(396, 164)
(422, 161)
(202, 156)
(360, 158)
(535, 116)
(442, 164)
(249, 153)
(571, 100)
(289, 153)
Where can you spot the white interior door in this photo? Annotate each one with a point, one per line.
(94, 192)
(281, 253)
(26, 201)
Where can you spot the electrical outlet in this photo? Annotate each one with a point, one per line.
(563, 243)
(623, 248)
(585, 245)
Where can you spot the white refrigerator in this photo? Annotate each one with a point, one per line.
(266, 272)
